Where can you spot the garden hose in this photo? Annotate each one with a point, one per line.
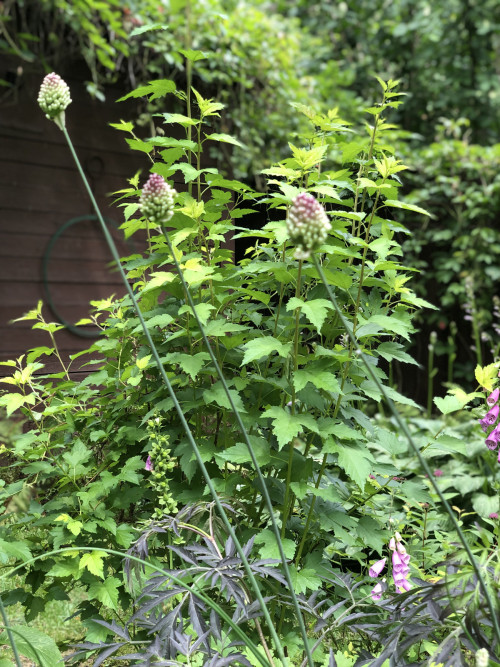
(78, 331)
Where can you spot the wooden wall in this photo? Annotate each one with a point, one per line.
(40, 191)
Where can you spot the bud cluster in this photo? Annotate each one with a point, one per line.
(307, 224)
(157, 200)
(54, 97)
(160, 462)
(490, 419)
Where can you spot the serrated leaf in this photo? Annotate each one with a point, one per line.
(190, 364)
(304, 580)
(390, 350)
(149, 27)
(287, 426)
(354, 461)
(315, 310)
(154, 89)
(93, 561)
(447, 404)
(217, 394)
(486, 376)
(264, 347)
(35, 645)
(320, 379)
(269, 548)
(65, 568)
(106, 592)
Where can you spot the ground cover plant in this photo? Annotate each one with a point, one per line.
(231, 482)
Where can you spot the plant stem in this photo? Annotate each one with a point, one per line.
(178, 408)
(10, 636)
(404, 428)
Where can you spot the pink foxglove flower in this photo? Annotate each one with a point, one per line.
(492, 415)
(149, 464)
(54, 97)
(157, 200)
(307, 224)
(484, 424)
(493, 397)
(438, 472)
(377, 568)
(493, 438)
(377, 592)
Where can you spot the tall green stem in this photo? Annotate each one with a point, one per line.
(286, 502)
(177, 406)
(9, 634)
(404, 429)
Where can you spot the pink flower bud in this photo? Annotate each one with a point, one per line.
(392, 544)
(307, 224)
(149, 464)
(377, 568)
(157, 200)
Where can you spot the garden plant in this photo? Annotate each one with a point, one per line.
(237, 480)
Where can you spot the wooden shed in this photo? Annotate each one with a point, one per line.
(51, 247)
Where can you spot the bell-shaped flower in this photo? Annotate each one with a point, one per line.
(377, 568)
(492, 415)
(493, 438)
(377, 592)
(149, 464)
(493, 397)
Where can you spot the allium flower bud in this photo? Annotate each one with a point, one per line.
(157, 200)
(482, 657)
(54, 97)
(307, 224)
(377, 568)
(493, 398)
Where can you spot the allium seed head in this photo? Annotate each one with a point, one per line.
(307, 224)
(157, 200)
(54, 97)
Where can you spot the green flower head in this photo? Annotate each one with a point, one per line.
(54, 97)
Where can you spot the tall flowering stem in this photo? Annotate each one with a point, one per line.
(185, 425)
(402, 425)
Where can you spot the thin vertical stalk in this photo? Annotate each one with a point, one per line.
(9, 634)
(244, 432)
(177, 406)
(404, 428)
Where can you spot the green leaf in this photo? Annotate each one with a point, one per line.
(287, 426)
(390, 350)
(320, 379)
(125, 535)
(149, 27)
(93, 561)
(179, 119)
(394, 203)
(224, 138)
(486, 376)
(203, 311)
(190, 364)
(217, 394)
(66, 568)
(238, 453)
(485, 505)
(35, 645)
(13, 402)
(106, 592)
(155, 89)
(269, 548)
(354, 460)
(448, 404)
(264, 347)
(304, 580)
(18, 550)
(124, 126)
(193, 55)
(315, 310)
